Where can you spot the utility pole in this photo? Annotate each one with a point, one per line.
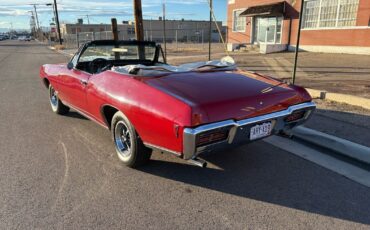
(139, 29)
(151, 30)
(37, 21)
(37, 18)
(115, 36)
(57, 21)
(297, 44)
(33, 24)
(114, 29)
(210, 29)
(164, 33)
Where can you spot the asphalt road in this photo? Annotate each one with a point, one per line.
(61, 172)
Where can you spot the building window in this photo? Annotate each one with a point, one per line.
(238, 22)
(329, 13)
(347, 13)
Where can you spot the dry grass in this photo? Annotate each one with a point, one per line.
(59, 47)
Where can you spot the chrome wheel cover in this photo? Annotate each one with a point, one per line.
(122, 140)
(53, 98)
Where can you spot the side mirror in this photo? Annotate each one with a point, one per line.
(70, 65)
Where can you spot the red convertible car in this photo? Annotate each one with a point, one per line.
(184, 110)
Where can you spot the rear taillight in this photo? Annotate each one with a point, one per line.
(295, 116)
(212, 137)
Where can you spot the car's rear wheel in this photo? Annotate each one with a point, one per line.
(56, 104)
(129, 147)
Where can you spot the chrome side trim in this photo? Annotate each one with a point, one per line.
(87, 116)
(189, 140)
(161, 149)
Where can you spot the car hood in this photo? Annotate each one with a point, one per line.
(219, 95)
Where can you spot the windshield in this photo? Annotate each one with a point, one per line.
(118, 52)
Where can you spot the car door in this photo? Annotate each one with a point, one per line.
(73, 82)
(74, 88)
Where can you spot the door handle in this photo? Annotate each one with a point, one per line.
(83, 82)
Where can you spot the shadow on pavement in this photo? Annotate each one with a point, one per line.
(76, 115)
(271, 175)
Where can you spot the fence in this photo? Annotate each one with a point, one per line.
(177, 39)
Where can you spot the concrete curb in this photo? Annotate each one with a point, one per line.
(342, 98)
(336, 144)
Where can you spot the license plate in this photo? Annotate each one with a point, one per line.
(261, 130)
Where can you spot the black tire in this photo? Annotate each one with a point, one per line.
(129, 147)
(56, 104)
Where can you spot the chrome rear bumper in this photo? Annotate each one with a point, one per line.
(239, 131)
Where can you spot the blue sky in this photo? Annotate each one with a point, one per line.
(16, 12)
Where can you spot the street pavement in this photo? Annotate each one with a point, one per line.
(61, 172)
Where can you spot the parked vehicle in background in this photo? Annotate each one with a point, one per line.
(25, 38)
(4, 37)
(183, 110)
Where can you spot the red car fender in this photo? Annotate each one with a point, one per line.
(158, 118)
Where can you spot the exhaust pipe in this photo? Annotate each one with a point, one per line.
(198, 162)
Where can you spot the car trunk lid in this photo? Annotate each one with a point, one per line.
(220, 95)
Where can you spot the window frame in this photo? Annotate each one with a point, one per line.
(337, 18)
(233, 21)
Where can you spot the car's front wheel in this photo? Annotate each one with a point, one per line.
(129, 147)
(56, 104)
